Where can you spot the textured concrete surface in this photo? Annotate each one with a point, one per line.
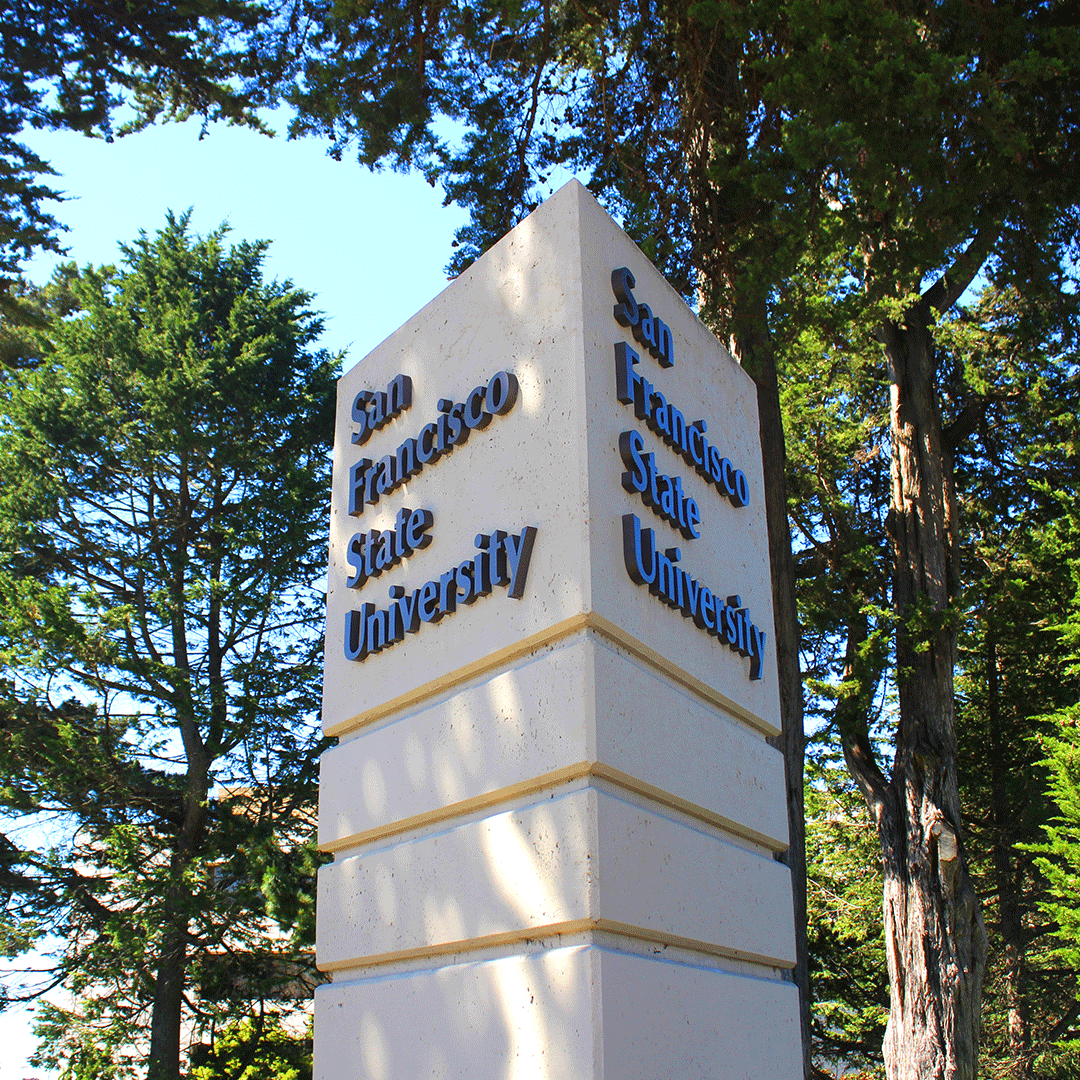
(559, 1014)
(582, 701)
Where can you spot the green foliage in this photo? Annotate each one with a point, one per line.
(812, 173)
(939, 122)
(805, 170)
(260, 1049)
(25, 311)
(85, 1043)
(836, 426)
(1058, 857)
(1009, 392)
(1011, 381)
(847, 952)
(598, 89)
(730, 137)
(162, 481)
(837, 441)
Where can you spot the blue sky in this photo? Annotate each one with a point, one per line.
(371, 247)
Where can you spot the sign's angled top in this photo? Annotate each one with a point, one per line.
(509, 437)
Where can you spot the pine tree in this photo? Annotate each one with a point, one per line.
(1009, 391)
(163, 472)
(1059, 860)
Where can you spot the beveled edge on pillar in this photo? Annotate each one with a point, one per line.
(586, 621)
(529, 934)
(576, 771)
(604, 1013)
(608, 863)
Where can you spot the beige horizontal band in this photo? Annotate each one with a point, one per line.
(562, 929)
(542, 783)
(587, 621)
(462, 808)
(691, 809)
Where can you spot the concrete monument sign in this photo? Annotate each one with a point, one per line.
(553, 813)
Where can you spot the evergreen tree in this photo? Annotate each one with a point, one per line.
(847, 939)
(838, 480)
(163, 472)
(1010, 385)
(1058, 857)
(258, 1049)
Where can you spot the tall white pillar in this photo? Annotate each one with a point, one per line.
(553, 813)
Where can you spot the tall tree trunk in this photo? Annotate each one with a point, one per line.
(165, 1019)
(715, 128)
(754, 349)
(934, 936)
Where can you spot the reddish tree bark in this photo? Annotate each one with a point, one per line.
(934, 936)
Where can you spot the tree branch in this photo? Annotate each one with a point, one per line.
(950, 286)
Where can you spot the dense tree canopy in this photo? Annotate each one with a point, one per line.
(1058, 858)
(903, 145)
(163, 472)
(1010, 377)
